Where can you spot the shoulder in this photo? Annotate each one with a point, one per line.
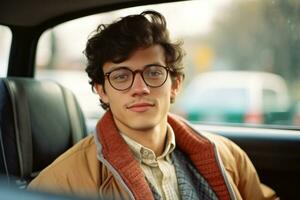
(77, 162)
(85, 147)
(241, 171)
(233, 158)
(222, 142)
(229, 152)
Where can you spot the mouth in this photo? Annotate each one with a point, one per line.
(140, 107)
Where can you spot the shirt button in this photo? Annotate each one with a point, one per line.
(145, 153)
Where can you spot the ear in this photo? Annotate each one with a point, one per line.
(176, 85)
(101, 92)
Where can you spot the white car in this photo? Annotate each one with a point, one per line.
(235, 96)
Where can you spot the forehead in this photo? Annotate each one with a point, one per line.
(139, 59)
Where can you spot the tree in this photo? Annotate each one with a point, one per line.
(257, 34)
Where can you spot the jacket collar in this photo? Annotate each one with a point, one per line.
(202, 153)
(117, 153)
(199, 149)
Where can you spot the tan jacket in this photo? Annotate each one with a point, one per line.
(78, 171)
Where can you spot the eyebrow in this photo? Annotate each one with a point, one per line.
(124, 66)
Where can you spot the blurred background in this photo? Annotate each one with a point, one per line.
(242, 59)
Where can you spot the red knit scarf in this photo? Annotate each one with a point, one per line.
(199, 149)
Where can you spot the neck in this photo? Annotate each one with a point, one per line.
(152, 137)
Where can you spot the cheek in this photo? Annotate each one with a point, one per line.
(115, 99)
(111, 97)
(165, 92)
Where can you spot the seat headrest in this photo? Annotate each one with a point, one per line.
(39, 120)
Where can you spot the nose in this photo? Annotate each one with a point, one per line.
(139, 87)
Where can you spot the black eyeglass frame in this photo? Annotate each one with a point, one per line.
(134, 72)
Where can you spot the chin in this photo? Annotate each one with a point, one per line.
(143, 128)
(142, 124)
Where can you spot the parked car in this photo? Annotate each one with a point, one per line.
(236, 97)
(38, 124)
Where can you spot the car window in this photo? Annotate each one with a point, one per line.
(242, 59)
(210, 104)
(5, 41)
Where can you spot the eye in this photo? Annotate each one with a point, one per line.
(154, 72)
(120, 75)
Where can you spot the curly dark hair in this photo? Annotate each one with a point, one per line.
(117, 41)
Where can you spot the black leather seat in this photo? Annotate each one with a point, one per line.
(39, 120)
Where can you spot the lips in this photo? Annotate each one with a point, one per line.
(140, 107)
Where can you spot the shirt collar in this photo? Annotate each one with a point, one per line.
(139, 149)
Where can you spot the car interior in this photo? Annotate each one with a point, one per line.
(31, 141)
(40, 119)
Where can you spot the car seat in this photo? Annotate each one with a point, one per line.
(39, 120)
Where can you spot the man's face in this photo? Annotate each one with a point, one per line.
(140, 107)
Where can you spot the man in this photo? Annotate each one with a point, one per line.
(139, 150)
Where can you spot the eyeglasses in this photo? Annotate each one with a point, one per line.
(153, 75)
